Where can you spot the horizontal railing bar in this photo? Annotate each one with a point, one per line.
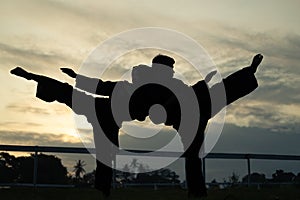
(51, 149)
(252, 156)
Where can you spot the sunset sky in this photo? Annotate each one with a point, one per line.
(43, 36)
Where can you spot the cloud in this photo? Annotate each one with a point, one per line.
(86, 136)
(27, 109)
(18, 124)
(42, 139)
(257, 140)
(253, 113)
(28, 53)
(43, 109)
(236, 45)
(69, 33)
(276, 44)
(34, 59)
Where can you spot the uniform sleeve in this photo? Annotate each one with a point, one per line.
(94, 85)
(233, 87)
(51, 90)
(239, 84)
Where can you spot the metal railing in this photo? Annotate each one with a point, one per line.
(78, 150)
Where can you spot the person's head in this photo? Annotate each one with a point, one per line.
(163, 60)
(163, 65)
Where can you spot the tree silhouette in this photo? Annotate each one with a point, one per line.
(281, 176)
(255, 178)
(8, 171)
(89, 178)
(79, 169)
(20, 169)
(297, 179)
(134, 163)
(124, 176)
(163, 175)
(233, 179)
(50, 169)
(128, 174)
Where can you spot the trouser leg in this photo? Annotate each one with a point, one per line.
(194, 177)
(103, 178)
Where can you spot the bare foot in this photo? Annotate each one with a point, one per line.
(69, 72)
(256, 61)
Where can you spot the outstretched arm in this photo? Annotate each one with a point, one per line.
(49, 90)
(233, 87)
(91, 85)
(237, 84)
(18, 71)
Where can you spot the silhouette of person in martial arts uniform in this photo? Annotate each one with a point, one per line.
(236, 86)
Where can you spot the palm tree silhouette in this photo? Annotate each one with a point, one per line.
(79, 169)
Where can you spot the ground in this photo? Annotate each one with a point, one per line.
(238, 193)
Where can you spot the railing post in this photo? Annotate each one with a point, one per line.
(35, 166)
(203, 169)
(114, 171)
(249, 169)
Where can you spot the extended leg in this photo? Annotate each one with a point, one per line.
(194, 177)
(103, 178)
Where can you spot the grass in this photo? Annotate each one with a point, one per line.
(238, 193)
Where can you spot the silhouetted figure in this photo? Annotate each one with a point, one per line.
(141, 98)
(236, 86)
